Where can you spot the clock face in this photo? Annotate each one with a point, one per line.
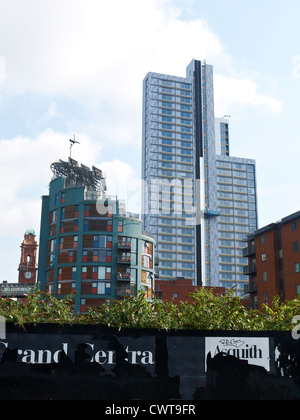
(28, 275)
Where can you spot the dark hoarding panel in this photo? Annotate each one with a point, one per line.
(95, 362)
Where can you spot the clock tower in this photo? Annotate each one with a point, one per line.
(28, 264)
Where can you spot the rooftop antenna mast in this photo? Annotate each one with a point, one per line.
(72, 142)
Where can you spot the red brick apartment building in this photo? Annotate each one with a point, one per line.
(179, 290)
(274, 261)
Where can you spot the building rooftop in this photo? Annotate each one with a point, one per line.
(30, 232)
(79, 175)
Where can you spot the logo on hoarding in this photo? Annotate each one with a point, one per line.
(296, 329)
(232, 343)
(94, 353)
(254, 350)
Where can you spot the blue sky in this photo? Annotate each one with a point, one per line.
(76, 67)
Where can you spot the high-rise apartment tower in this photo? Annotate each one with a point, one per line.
(184, 150)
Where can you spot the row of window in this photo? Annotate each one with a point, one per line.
(232, 244)
(180, 239)
(96, 288)
(236, 196)
(99, 256)
(97, 224)
(295, 246)
(170, 112)
(237, 166)
(233, 227)
(233, 260)
(72, 212)
(174, 129)
(232, 268)
(238, 204)
(233, 276)
(234, 181)
(266, 295)
(178, 248)
(176, 256)
(176, 121)
(175, 124)
(176, 152)
(169, 273)
(229, 235)
(177, 264)
(169, 83)
(172, 90)
(97, 241)
(296, 270)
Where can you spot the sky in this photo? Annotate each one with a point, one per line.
(76, 67)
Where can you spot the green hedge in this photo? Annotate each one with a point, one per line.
(206, 312)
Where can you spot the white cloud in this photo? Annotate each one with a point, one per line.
(25, 174)
(101, 49)
(97, 47)
(233, 94)
(124, 182)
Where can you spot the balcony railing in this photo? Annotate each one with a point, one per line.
(124, 260)
(123, 291)
(250, 250)
(249, 269)
(124, 245)
(123, 276)
(253, 287)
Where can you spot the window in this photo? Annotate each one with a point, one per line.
(264, 277)
(262, 239)
(101, 289)
(54, 216)
(295, 246)
(294, 226)
(120, 226)
(146, 261)
(298, 290)
(52, 245)
(264, 257)
(297, 268)
(103, 272)
(82, 305)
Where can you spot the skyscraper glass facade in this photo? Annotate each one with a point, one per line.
(181, 158)
(169, 164)
(237, 204)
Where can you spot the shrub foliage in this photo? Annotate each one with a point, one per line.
(206, 312)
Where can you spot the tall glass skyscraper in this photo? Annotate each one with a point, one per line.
(180, 170)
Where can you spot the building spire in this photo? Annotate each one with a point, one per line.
(72, 142)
